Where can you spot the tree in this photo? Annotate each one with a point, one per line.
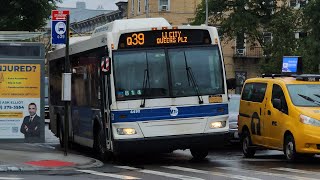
(254, 18)
(25, 15)
(310, 45)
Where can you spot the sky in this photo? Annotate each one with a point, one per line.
(91, 4)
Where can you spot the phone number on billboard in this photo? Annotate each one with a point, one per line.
(11, 107)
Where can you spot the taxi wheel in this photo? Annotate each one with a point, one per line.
(290, 148)
(246, 143)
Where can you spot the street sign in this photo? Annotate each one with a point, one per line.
(59, 27)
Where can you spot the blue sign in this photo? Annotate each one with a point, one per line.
(58, 32)
(290, 64)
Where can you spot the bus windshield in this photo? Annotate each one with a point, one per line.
(168, 72)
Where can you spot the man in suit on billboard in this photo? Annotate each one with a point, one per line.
(31, 124)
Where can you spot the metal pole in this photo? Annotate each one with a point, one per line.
(67, 103)
(207, 12)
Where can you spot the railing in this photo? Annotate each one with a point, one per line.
(250, 52)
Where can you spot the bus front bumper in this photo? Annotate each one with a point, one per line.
(170, 143)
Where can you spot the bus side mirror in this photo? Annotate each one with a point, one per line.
(105, 65)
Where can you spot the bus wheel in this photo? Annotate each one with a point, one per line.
(61, 135)
(246, 143)
(99, 144)
(198, 153)
(290, 149)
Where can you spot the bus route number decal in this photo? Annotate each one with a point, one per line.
(135, 39)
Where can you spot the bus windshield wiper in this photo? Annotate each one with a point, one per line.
(309, 99)
(190, 75)
(146, 82)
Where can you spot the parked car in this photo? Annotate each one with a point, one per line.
(233, 106)
(46, 100)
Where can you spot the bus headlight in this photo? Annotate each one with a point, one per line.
(126, 131)
(308, 120)
(218, 124)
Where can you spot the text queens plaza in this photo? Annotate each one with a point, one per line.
(172, 37)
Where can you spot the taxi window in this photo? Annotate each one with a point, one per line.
(254, 92)
(277, 93)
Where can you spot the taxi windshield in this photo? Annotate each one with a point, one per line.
(306, 95)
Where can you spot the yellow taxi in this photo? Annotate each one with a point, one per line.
(281, 113)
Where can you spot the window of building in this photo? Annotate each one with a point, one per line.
(240, 44)
(132, 7)
(293, 3)
(298, 3)
(299, 35)
(303, 3)
(139, 6)
(164, 5)
(145, 5)
(267, 37)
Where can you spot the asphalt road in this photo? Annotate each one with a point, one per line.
(226, 163)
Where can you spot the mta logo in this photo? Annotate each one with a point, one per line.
(174, 111)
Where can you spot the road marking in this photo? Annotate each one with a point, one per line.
(266, 173)
(10, 178)
(249, 160)
(107, 174)
(159, 173)
(211, 173)
(297, 171)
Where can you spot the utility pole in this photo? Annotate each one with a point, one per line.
(206, 12)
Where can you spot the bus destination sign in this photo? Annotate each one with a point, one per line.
(161, 38)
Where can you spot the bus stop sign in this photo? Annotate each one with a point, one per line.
(59, 27)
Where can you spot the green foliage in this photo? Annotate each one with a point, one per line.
(254, 17)
(310, 45)
(25, 15)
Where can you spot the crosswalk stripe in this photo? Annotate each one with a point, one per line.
(117, 176)
(266, 173)
(10, 178)
(297, 171)
(159, 173)
(211, 173)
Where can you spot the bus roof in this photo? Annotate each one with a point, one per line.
(127, 24)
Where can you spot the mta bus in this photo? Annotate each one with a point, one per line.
(141, 85)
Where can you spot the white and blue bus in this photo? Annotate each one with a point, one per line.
(164, 89)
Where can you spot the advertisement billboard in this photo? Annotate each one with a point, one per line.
(21, 98)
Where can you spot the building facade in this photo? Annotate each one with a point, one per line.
(177, 12)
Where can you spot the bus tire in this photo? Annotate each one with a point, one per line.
(199, 153)
(99, 143)
(248, 151)
(61, 135)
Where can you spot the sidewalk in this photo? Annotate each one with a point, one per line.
(35, 157)
(41, 156)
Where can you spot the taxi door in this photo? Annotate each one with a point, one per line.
(251, 110)
(276, 117)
